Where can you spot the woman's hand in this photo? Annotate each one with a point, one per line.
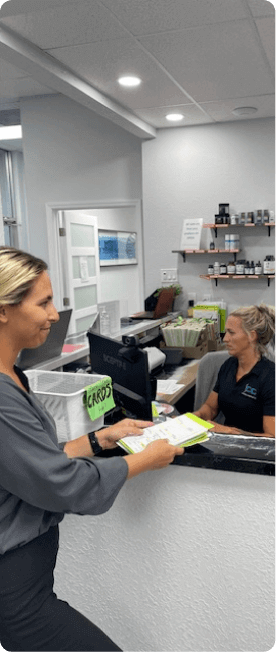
(156, 455)
(108, 437)
(160, 453)
(229, 430)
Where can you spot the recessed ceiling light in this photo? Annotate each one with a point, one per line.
(129, 81)
(174, 117)
(244, 110)
(10, 133)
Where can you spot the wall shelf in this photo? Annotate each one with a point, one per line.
(268, 225)
(210, 277)
(205, 251)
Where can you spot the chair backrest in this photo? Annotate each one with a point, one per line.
(208, 369)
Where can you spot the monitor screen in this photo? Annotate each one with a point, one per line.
(133, 388)
(51, 348)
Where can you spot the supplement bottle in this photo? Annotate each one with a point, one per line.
(258, 268)
(231, 267)
(216, 268)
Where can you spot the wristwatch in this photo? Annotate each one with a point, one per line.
(93, 439)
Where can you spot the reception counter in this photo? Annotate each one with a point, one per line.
(235, 453)
(232, 453)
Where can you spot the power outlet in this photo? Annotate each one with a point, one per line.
(169, 276)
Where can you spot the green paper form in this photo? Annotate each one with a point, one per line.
(184, 430)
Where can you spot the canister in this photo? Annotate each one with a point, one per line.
(239, 267)
(259, 217)
(222, 268)
(231, 267)
(227, 242)
(269, 265)
(234, 241)
(258, 268)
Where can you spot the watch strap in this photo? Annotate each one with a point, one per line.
(93, 439)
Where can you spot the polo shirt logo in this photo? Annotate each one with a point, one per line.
(251, 392)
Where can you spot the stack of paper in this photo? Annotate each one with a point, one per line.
(184, 332)
(185, 430)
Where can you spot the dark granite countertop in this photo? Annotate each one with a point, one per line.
(232, 453)
(225, 453)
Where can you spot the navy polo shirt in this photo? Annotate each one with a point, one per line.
(244, 403)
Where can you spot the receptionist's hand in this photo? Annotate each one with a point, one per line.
(229, 430)
(109, 436)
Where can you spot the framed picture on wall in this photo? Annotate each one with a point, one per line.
(117, 247)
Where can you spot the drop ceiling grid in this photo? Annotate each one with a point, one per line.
(102, 63)
(143, 17)
(63, 26)
(217, 65)
(266, 29)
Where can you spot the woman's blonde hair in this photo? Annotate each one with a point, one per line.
(260, 319)
(18, 271)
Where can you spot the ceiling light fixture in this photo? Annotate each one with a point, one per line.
(129, 82)
(174, 117)
(244, 110)
(10, 133)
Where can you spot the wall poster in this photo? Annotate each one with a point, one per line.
(117, 247)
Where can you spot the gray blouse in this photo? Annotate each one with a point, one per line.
(38, 482)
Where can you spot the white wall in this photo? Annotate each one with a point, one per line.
(183, 561)
(122, 283)
(72, 154)
(187, 172)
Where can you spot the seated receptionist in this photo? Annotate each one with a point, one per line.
(245, 387)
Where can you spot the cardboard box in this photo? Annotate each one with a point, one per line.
(193, 352)
(216, 345)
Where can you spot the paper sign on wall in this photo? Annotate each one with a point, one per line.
(191, 234)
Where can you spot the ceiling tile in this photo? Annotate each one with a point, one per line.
(214, 62)
(79, 22)
(8, 71)
(153, 16)
(15, 7)
(222, 111)
(102, 63)
(25, 87)
(157, 116)
(266, 29)
(261, 7)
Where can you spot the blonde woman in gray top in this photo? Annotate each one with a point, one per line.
(39, 482)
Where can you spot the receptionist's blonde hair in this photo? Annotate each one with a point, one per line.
(18, 271)
(260, 319)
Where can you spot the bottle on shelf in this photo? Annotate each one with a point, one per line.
(240, 267)
(258, 268)
(252, 267)
(104, 322)
(247, 268)
(216, 267)
(212, 246)
(222, 268)
(210, 269)
(269, 265)
(231, 267)
(191, 308)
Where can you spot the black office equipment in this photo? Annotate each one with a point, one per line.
(51, 348)
(133, 389)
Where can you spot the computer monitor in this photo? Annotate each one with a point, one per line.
(51, 348)
(127, 365)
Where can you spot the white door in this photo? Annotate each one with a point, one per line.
(2, 235)
(81, 270)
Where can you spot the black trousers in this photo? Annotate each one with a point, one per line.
(31, 616)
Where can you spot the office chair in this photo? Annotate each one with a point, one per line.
(208, 369)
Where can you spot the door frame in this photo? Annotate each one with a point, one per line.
(55, 263)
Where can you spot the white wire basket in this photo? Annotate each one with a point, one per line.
(62, 395)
